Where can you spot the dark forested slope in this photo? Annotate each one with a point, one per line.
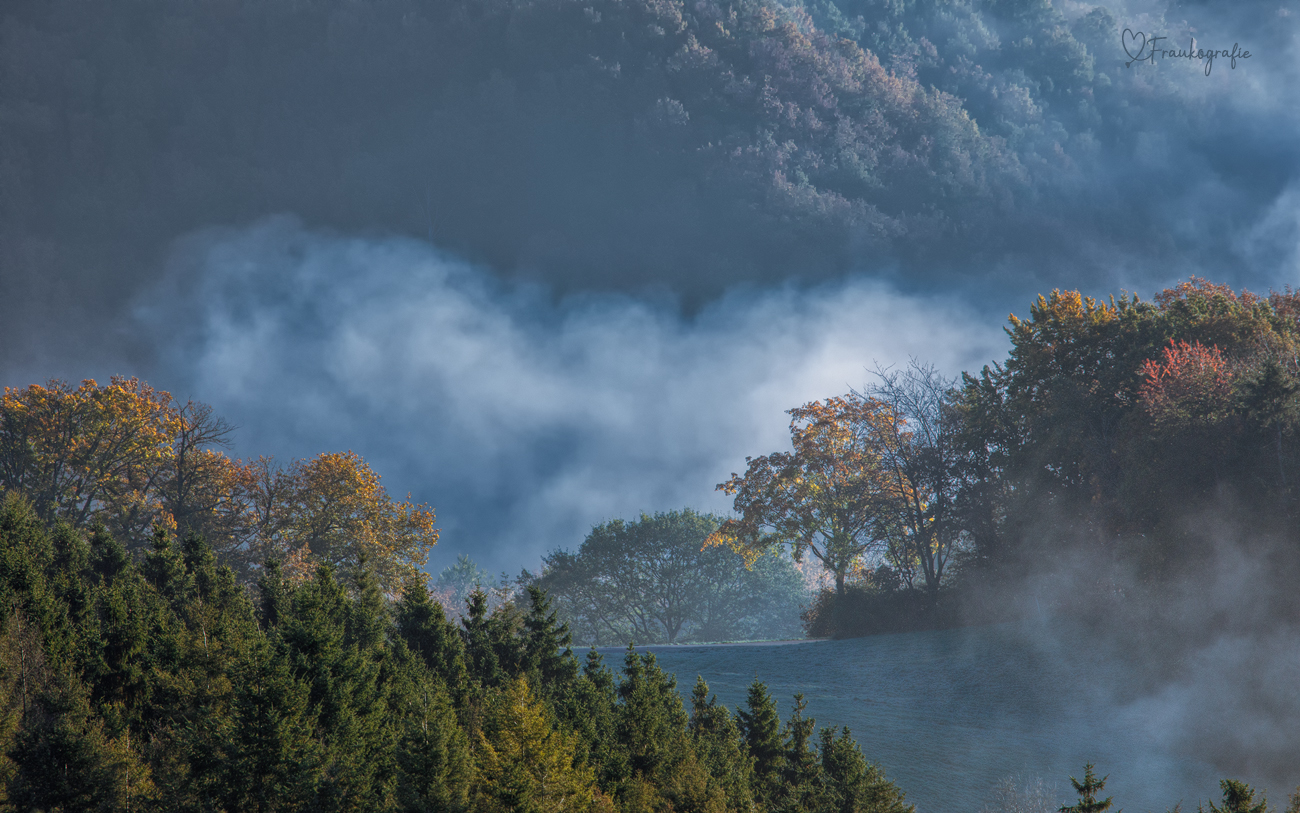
(687, 146)
(159, 684)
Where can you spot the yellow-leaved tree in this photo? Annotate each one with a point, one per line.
(333, 510)
(89, 453)
(830, 497)
(135, 459)
(524, 763)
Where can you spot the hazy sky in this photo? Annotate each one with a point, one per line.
(534, 344)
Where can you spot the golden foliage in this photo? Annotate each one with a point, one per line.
(340, 513)
(133, 458)
(828, 497)
(522, 758)
(91, 453)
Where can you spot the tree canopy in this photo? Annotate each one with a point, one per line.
(133, 459)
(651, 581)
(830, 497)
(162, 686)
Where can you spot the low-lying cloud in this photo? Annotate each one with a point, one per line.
(522, 418)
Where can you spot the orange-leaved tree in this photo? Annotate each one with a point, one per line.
(829, 497)
(133, 458)
(336, 512)
(1190, 386)
(89, 453)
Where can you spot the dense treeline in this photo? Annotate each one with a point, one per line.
(1121, 443)
(158, 671)
(133, 459)
(1122, 419)
(161, 685)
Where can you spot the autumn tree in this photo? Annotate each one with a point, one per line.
(1119, 413)
(89, 453)
(338, 513)
(524, 763)
(201, 486)
(830, 497)
(1189, 386)
(133, 458)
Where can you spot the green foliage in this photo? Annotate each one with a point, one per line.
(423, 626)
(1238, 797)
(435, 768)
(800, 775)
(648, 581)
(721, 749)
(1118, 415)
(854, 785)
(157, 685)
(760, 728)
(458, 581)
(1089, 789)
(524, 763)
(270, 758)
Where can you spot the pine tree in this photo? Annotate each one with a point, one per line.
(25, 552)
(760, 726)
(271, 758)
(204, 631)
(596, 723)
(853, 785)
(1238, 797)
(548, 658)
(433, 756)
(164, 567)
(524, 764)
(65, 760)
(321, 639)
(717, 740)
(480, 633)
(651, 720)
(275, 592)
(800, 774)
(423, 625)
(1089, 789)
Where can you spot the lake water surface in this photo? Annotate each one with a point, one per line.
(949, 713)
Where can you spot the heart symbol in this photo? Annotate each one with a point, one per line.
(1141, 46)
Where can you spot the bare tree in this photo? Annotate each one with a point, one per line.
(188, 493)
(918, 451)
(1021, 794)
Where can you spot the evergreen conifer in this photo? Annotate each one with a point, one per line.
(1089, 789)
(1238, 797)
(760, 727)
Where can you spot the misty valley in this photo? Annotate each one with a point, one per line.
(982, 718)
(1079, 557)
(649, 406)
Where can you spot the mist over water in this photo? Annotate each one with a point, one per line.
(948, 714)
(537, 283)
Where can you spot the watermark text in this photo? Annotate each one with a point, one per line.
(1141, 48)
